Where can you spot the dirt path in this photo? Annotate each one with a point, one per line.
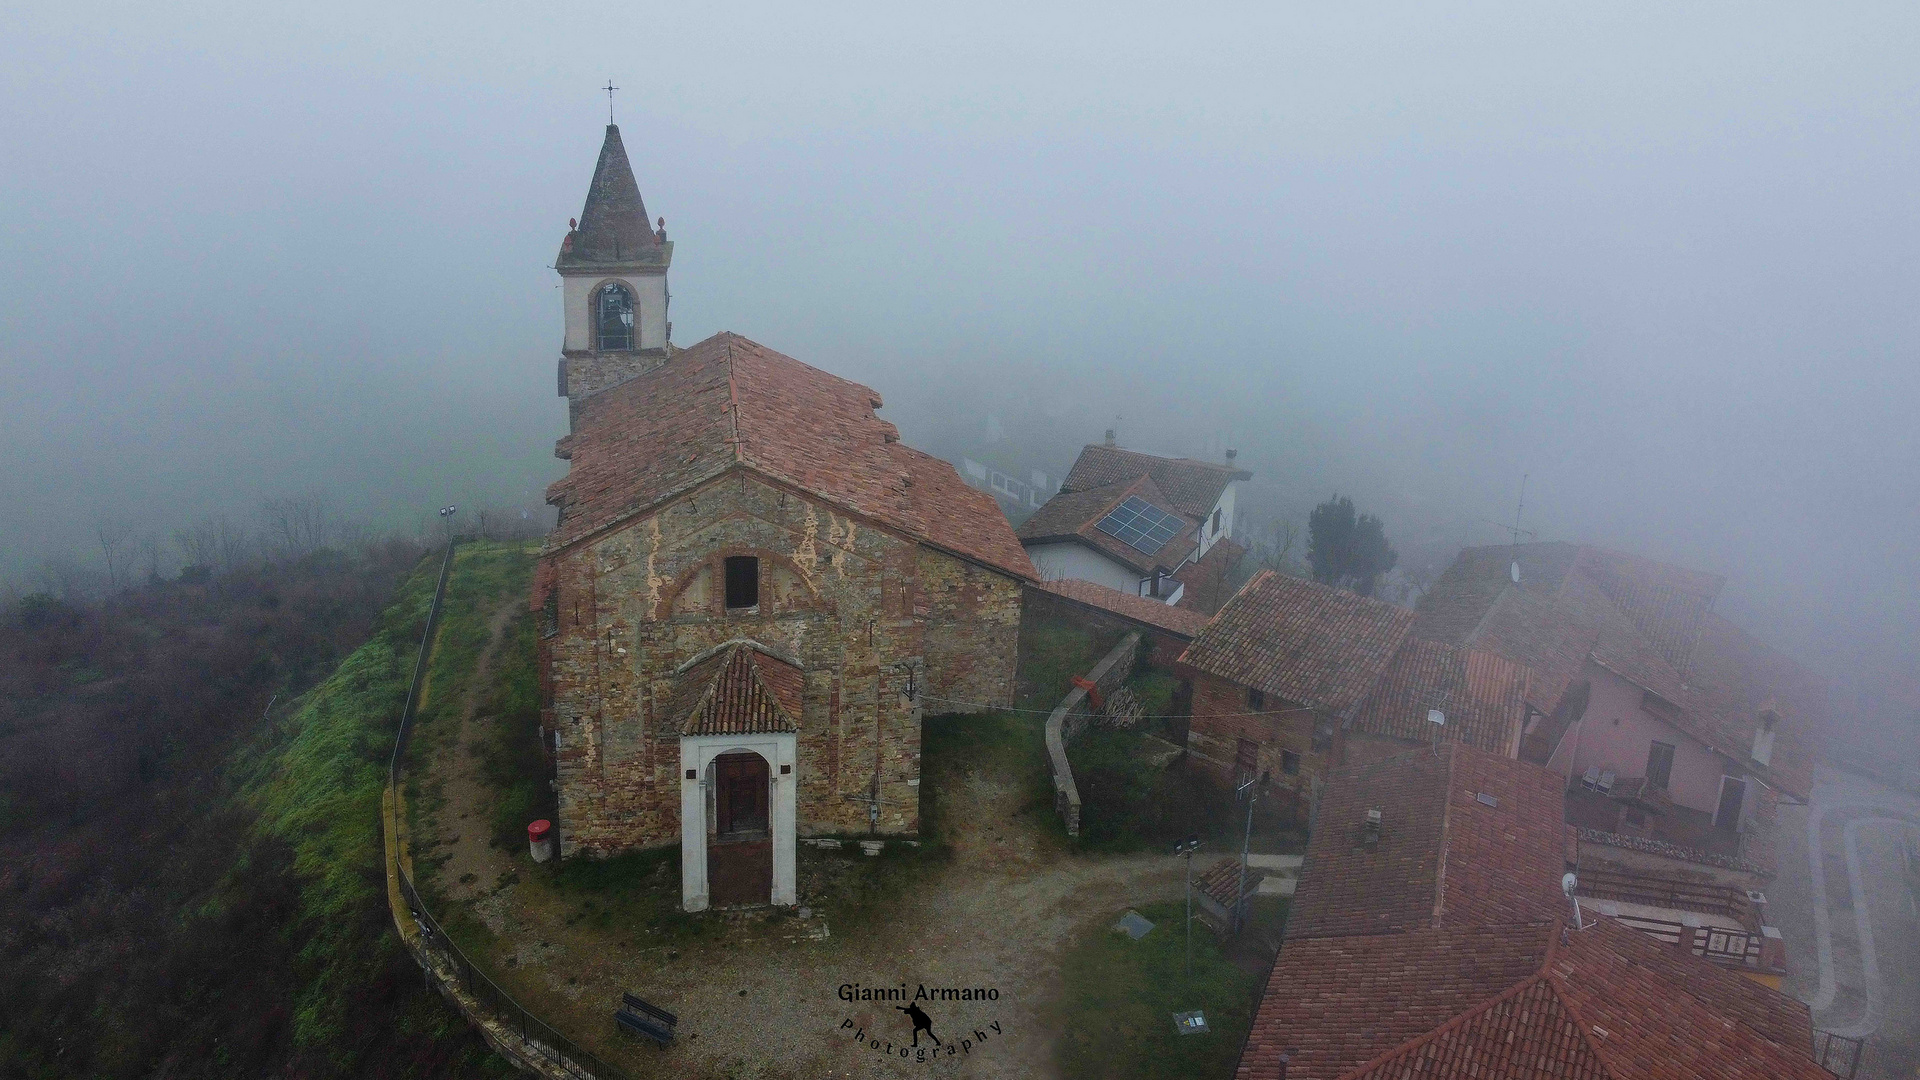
(763, 1001)
(473, 865)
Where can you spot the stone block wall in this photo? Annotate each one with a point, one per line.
(1162, 648)
(866, 612)
(1072, 716)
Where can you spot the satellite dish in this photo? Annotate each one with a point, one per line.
(1568, 884)
(1513, 571)
(1435, 716)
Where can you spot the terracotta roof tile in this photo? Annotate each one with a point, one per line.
(1443, 952)
(1334, 1003)
(737, 689)
(1193, 486)
(1482, 696)
(1302, 641)
(1645, 621)
(1221, 882)
(1177, 621)
(1077, 515)
(728, 403)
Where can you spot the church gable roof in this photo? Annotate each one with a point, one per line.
(727, 403)
(613, 224)
(738, 689)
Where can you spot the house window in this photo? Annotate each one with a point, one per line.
(743, 582)
(613, 317)
(1246, 761)
(1255, 699)
(1659, 765)
(1290, 763)
(1216, 521)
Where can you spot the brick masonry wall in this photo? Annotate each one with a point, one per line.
(1219, 722)
(1163, 648)
(586, 373)
(855, 604)
(972, 618)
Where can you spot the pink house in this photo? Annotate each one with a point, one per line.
(1676, 732)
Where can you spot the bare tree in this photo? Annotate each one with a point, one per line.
(113, 534)
(1283, 535)
(296, 526)
(150, 553)
(198, 544)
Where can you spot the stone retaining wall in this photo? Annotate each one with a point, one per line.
(1072, 716)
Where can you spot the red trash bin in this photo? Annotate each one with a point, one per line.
(540, 840)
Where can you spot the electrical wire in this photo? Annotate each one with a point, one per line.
(1164, 716)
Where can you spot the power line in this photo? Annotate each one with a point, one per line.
(1166, 716)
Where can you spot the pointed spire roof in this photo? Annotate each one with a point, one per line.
(613, 225)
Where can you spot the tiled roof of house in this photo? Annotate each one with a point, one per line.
(614, 228)
(1302, 641)
(1444, 856)
(1221, 882)
(1483, 696)
(737, 689)
(1522, 626)
(1645, 621)
(1193, 486)
(1076, 516)
(1208, 579)
(1734, 678)
(728, 403)
(1443, 952)
(1160, 616)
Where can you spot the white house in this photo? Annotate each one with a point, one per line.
(1132, 521)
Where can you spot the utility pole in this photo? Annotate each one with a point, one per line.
(1184, 850)
(1246, 842)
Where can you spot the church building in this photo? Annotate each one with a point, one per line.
(753, 588)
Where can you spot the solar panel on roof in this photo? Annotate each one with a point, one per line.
(1141, 525)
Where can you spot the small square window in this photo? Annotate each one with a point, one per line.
(693, 774)
(1290, 763)
(743, 581)
(1256, 699)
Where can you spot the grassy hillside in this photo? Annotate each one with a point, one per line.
(191, 886)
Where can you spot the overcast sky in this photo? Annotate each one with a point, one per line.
(1659, 258)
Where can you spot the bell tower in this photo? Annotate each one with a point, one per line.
(613, 269)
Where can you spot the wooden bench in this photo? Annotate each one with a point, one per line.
(643, 1019)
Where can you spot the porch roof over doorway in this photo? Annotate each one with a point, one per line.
(741, 688)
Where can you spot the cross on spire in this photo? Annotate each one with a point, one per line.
(610, 88)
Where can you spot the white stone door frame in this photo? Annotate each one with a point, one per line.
(696, 754)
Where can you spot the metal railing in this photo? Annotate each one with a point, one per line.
(1838, 1054)
(539, 1036)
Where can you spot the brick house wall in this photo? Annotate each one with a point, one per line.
(856, 605)
(1219, 721)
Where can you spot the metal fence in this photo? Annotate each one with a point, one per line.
(1838, 1054)
(539, 1037)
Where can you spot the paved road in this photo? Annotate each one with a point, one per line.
(1844, 901)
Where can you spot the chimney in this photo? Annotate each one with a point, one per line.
(1370, 830)
(1109, 436)
(1231, 454)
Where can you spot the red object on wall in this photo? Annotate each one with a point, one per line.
(1093, 692)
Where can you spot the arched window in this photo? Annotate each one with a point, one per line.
(614, 318)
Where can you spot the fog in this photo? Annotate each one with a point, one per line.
(1660, 262)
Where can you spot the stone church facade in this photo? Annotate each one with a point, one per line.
(752, 592)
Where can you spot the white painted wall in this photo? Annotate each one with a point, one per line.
(1225, 505)
(1082, 563)
(650, 307)
(696, 755)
